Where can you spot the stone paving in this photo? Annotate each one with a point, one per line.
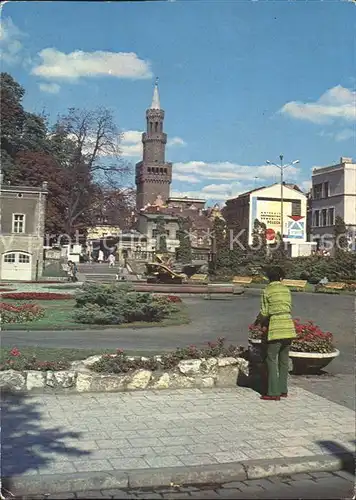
(318, 485)
(54, 434)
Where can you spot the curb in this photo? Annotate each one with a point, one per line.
(203, 474)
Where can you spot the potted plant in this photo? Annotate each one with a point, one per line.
(310, 351)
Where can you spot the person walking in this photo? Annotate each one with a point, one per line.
(111, 260)
(101, 257)
(275, 314)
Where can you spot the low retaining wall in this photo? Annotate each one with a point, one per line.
(187, 288)
(211, 372)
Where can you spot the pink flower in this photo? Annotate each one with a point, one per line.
(15, 352)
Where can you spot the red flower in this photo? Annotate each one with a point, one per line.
(15, 352)
(119, 351)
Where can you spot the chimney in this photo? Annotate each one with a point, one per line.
(343, 159)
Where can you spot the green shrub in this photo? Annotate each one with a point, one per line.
(117, 304)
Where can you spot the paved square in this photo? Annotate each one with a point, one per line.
(49, 434)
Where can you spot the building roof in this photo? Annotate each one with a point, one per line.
(29, 189)
(155, 100)
(288, 185)
(186, 199)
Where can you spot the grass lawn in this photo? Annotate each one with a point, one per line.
(58, 316)
(55, 354)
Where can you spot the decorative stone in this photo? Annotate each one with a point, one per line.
(227, 361)
(162, 382)
(91, 360)
(108, 383)
(35, 380)
(158, 358)
(243, 366)
(143, 358)
(13, 380)
(64, 379)
(84, 382)
(178, 381)
(209, 365)
(207, 382)
(190, 366)
(227, 376)
(139, 380)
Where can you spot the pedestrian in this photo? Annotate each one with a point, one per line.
(74, 272)
(111, 260)
(275, 315)
(70, 270)
(101, 257)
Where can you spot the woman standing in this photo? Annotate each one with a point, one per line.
(276, 307)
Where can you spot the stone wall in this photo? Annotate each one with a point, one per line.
(211, 372)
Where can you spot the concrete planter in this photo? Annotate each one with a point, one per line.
(311, 363)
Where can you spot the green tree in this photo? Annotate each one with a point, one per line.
(258, 251)
(161, 234)
(221, 246)
(340, 237)
(184, 251)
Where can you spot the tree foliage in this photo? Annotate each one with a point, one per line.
(161, 234)
(184, 252)
(79, 157)
(340, 232)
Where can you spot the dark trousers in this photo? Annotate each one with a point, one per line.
(277, 361)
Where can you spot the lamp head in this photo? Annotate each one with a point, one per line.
(295, 162)
(268, 162)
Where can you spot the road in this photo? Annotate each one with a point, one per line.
(227, 317)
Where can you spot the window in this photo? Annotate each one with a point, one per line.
(331, 216)
(317, 191)
(155, 233)
(24, 259)
(326, 190)
(156, 127)
(324, 217)
(296, 207)
(18, 223)
(316, 221)
(10, 257)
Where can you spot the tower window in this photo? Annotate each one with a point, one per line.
(149, 169)
(161, 170)
(165, 170)
(151, 126)
(156, 127)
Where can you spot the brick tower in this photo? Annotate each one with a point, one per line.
(153, 174)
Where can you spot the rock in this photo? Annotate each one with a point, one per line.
(62, 379)
(139, 380)
(91, 360)
(207, 382)
(35, 379)
(227, 361)
(190, 366)
(227, 376)
(100, 383)
(13, 380)
(158, 358)
(209, 365)
(143, 358)
(83, 382)
(178, 381)
(162, 382)
(243, 366)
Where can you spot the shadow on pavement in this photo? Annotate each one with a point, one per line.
(26, 445)
(348, 457)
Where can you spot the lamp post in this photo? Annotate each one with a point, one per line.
(282, 169)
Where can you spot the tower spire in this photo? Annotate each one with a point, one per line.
(155, 100)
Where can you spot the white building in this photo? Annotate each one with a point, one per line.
(264, 204)
(333, 194)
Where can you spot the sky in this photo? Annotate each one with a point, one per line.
(241, 82)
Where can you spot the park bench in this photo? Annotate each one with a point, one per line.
(335, 285)
(199, 278)
(295, 283)
(242, 280)
(222, 288)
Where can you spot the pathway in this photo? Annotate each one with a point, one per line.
(67, 434)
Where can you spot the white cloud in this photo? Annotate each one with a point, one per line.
(345, 134)
(336, 103)
(131, 143)
(306, 185)
(51, 88)
(212, 192)
(77, 64)
(185, 178)
(227, 171)
(10, 42)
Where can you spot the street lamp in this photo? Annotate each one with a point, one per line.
(282, 169)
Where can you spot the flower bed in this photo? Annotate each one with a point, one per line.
(310, 338)
(185, 368)
(37, 296)
(11, 313)
(2, 290)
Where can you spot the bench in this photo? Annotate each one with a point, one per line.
(242, 280)
(200, 278)
(295, 283)
(334, 285)
(225, 288)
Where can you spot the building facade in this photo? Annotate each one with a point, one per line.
(22, 227)
(333, 194)
(153, 173)
(264, 204)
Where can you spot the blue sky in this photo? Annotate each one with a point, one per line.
(240, 81)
